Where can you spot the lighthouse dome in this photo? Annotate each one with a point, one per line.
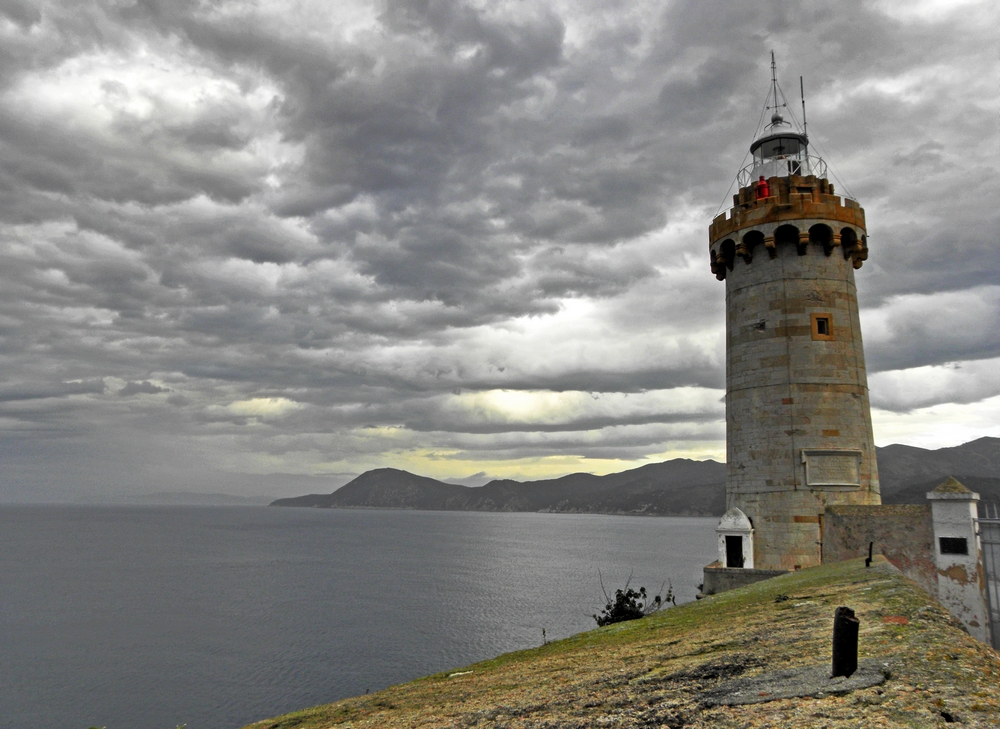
(782, 151)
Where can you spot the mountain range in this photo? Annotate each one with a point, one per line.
(680, 487)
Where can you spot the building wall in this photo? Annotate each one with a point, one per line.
(787, 391)
(961, 584)
(904, 533)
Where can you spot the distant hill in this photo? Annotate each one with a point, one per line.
(680, 487)
(907, 473)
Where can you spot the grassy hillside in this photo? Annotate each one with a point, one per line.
(650, 673)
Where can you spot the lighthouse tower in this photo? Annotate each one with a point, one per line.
(798, 425)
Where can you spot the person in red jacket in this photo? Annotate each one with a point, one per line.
(762, 188)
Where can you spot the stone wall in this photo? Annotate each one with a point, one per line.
(904, 533)
(722, 579)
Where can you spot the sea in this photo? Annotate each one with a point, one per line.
(214, 617)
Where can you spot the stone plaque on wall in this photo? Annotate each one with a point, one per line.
(827, 467)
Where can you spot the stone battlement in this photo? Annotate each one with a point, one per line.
(799, 211)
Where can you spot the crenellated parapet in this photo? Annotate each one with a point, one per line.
(794, 210)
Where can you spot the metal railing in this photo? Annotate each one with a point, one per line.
(782, 167)
(989, 538)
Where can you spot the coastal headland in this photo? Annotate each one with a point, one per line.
(680, 487)
(719, 662)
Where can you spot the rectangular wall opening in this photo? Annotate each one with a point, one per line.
(822, 326)
(954, 545)
(734, 551)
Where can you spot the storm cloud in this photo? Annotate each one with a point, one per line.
(464, 238)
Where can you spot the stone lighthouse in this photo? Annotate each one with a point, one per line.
(798, 425)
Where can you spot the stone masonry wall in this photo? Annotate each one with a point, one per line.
(904, 533)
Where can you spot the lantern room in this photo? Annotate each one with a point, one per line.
(781, 152)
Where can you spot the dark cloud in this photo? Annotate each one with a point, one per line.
(141, 388)
(24, 14)
(39, 391)
(296, 224)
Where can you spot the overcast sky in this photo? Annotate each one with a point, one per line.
(467, 239)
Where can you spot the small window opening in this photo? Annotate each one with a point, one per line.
(734, 551)
(822, 326)
(954, 545)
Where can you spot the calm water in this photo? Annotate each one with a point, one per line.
(151, 617)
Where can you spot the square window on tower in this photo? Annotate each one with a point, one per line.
(822, 327)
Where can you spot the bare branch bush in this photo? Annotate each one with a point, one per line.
(630, 604)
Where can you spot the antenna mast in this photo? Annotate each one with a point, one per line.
(774, 80)
(802, 93)
(774, 93)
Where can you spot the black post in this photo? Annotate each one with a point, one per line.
(868, 562)
(845, 642)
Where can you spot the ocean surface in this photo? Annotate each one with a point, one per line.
(214, 617)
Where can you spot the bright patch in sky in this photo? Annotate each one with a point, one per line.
(929, 11)
(264, 407)
(939, 426)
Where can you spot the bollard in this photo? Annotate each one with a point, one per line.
(845, 642)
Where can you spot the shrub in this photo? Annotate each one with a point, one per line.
(629, 604)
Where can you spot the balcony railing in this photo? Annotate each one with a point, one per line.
(782, 167)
